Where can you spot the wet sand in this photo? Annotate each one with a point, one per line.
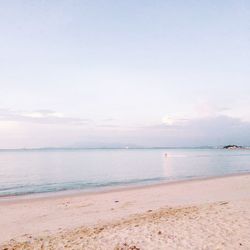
(199, 214)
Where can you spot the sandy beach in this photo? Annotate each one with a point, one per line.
(199, 214)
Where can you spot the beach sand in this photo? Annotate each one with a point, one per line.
(198, 214)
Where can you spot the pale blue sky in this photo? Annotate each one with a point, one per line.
(150, 73)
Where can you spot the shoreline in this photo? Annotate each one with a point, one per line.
(109, 189)
(168, 215)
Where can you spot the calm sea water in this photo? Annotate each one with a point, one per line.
(40, 171)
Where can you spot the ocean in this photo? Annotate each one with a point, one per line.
(52, 170)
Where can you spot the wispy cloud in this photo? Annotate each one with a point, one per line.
(43, 114)
(208, 109)
(40, 116)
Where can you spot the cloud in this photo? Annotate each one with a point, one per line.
(43, 114)
(224, 128)
(173, 121)
(208, 109)
(40, 116)
(216, 130)
(213, 130)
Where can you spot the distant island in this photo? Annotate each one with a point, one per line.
(233, 147)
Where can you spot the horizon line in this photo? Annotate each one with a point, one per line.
(124, 147)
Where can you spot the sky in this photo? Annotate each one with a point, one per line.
(114, 73)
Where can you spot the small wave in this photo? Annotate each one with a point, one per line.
(55, 187)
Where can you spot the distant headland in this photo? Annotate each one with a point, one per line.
(233, 147)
